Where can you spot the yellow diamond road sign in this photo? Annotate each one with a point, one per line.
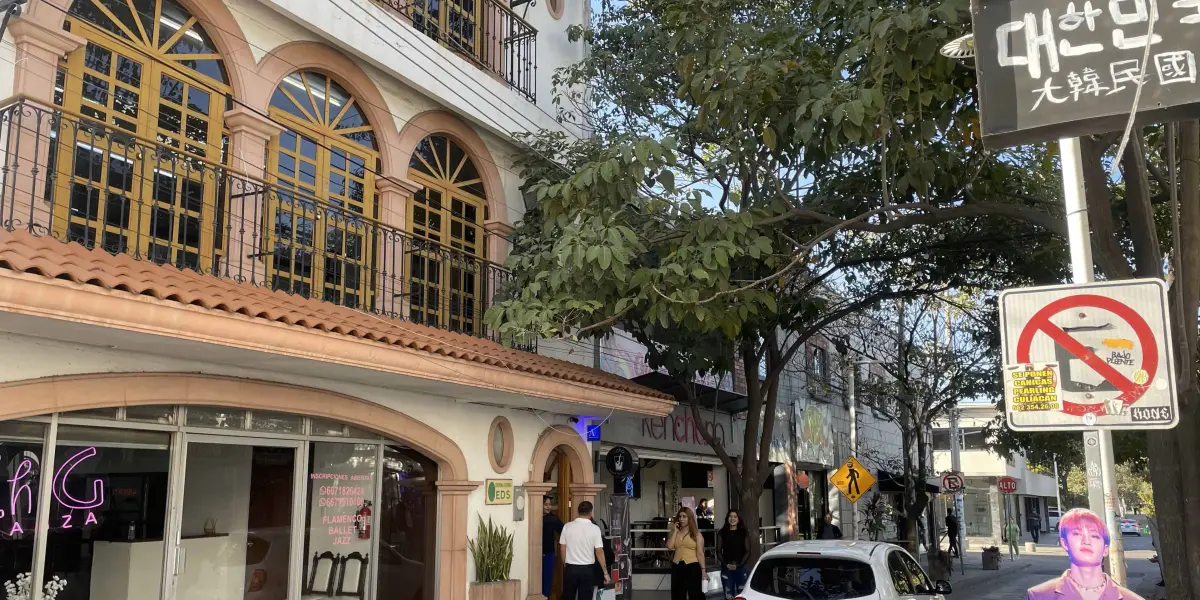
(853, 479)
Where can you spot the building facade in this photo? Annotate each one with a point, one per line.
(246, 250)
(985, 507)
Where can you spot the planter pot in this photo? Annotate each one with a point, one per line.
(991, 560)
(496, 590)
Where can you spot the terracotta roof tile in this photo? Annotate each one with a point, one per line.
(23, 252)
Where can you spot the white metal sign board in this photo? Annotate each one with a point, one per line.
(1094, 356)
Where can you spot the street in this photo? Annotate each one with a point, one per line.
(1015, 578)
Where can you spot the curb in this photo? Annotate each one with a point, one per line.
(984, 576)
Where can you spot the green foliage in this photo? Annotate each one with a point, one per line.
(492, 551)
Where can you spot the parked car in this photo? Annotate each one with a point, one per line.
(840, 570)
(1130, 527)
(1052, 516)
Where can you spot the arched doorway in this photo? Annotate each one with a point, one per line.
(325, 163)
(268, 484)
(561, 470)
(148, 69)
(448, 211)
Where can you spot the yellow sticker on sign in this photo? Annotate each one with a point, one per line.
(853, 479)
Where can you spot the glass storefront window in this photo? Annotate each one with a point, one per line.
(276, 422)
(108, 513)
(407, 522)
(216, 417)
(341, 496)
(163, 415)
(20, 460)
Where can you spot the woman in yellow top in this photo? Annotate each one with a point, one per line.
(687, 566)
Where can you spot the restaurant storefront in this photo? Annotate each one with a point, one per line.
(212, 503)
(678, 467)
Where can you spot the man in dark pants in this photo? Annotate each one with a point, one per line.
(1034, 521)
(952, 532)
(582, 545)
(551, 528)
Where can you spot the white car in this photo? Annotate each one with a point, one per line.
(1052, 515)
(840, 570)
(1130, 527)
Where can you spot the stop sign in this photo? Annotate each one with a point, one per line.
(1007, 485)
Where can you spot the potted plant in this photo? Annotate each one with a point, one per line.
(991, 558)
(492, 551)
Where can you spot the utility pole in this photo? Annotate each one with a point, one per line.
(851, 375)
(956, 467)
(1079, 240)
(1057, 488)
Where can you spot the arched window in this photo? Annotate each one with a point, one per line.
(449, 211)
(149, 69)
(322, 219)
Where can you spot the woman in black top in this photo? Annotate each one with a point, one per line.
(733, 550)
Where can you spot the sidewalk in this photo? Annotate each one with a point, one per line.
(970, 573)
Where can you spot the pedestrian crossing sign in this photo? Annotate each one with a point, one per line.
(853, 479)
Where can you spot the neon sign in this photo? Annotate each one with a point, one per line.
(20, 488)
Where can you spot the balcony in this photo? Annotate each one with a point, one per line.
(83, 182)
(485, 32)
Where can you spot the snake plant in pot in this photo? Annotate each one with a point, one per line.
(492, 551)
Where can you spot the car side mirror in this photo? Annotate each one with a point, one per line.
(942, 586)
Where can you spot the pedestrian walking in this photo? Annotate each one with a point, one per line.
(733, 550)
(552, 527)
(1035, 526)
(1013, 534)
(582, 546)
(952, 532)
(687, 565)
(827, 530)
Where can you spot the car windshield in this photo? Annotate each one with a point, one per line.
(813, 578)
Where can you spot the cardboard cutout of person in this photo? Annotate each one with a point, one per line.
(1083, 535)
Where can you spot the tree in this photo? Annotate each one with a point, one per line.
(757, 172)
(931, 350)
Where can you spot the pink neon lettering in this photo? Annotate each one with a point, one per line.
(60, 484)
(16, 528)
(66, 521)
(91, 518)
(14, 494)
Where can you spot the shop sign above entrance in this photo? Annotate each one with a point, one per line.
(1050, 69)
(499, 491)
(853, 479)
(1082, 357)
(678, 432)
(621, 461)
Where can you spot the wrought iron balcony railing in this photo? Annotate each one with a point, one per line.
(486, 32)
(85, 182)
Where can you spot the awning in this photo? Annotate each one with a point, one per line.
(894, 484)
(651, 454)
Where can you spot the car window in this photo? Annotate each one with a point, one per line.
(812, 578)
(899, 574)
(920, 580)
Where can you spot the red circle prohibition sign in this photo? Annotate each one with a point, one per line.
(1130, 391)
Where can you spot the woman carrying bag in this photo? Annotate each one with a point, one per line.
(733, 550)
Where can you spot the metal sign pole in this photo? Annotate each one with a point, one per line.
(1082, 272)
(956, 467)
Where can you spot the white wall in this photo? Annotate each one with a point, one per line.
(467, 424)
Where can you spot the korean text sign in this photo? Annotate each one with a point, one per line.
(1064, 68)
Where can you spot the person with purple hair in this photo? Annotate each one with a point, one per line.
(1083, 535)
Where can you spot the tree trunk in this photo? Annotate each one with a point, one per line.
(750, 517)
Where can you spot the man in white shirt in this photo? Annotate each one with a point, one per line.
(582, 546)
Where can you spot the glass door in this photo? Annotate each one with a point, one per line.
(235, 523)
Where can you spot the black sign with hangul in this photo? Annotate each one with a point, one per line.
(1050, 69)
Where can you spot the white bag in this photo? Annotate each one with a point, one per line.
(706, 584)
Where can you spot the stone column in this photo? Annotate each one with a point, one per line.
(29, 125)
(534, 493)
(246, 256)
(392, 246)
(452, 538)
(996, 508)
